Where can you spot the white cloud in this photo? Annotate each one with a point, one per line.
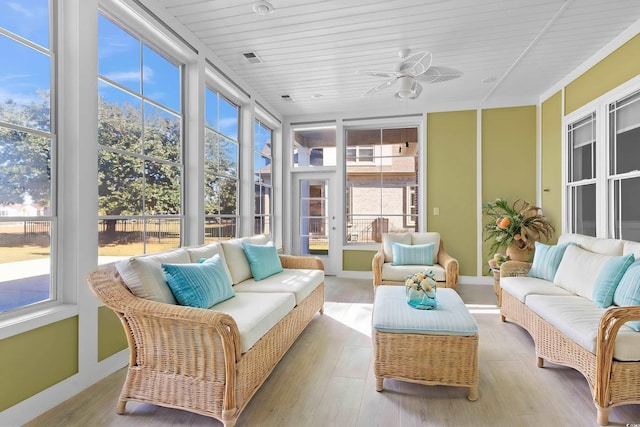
(18, 8)
(124, 76)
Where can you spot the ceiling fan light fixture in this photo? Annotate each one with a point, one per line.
(407, 87)
(262, 7)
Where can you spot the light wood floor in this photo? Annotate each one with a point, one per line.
(326, 379)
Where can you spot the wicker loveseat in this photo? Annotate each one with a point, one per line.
(387, 272)
(569, 328)
(209, 361)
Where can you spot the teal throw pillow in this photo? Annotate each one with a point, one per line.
(546, 260)
(412, 254)
(628, 291)
(608, 279)
(200, 285)
(263, 260)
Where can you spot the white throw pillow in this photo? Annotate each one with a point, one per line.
(143, 274)
(208, 251)
(389, 238)
(578, 271)
(426, 238)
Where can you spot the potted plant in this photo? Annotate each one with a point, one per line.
(516, 227)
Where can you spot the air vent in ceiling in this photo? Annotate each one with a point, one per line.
(287, 98)
(252, 57)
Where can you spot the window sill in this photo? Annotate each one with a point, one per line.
(22, 323)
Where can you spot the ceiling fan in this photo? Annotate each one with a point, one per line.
(411, 69)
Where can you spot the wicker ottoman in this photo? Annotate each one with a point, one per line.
(433, 347)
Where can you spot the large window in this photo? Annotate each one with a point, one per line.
(27, 155)
(603, 168)
(140, 165)
(221, 167)
(381, 182)
(581, 179)
(624, 168)
(262, 178)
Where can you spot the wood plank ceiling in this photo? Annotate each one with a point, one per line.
(509, 51)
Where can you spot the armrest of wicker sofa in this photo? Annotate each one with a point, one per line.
(307, 262)
(157, 332)
(376, 267)
(450, 265)
(514, 268)
(610, 324)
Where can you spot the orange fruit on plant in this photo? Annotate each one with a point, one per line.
(504, 223)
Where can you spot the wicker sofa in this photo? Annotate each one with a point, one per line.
(385, 272)
(567, 325)
(208, 361)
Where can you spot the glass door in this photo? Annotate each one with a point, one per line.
(314, 218)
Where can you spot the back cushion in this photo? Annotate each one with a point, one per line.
(632, 248)
(594, 244)
(260, 239)
(389, 238)
(143, 275)
(426, 238)
(237, 260)
(208, 251)
(578, 271)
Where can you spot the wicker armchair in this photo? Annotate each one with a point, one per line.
(190, 358)
(445, 260)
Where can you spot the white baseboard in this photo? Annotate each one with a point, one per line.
(53, 396)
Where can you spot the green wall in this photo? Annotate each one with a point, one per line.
(357, 260)
(551, 162)
(111, 336)
(620, 66)
(508, 157)
(451, 183)
(37, 359)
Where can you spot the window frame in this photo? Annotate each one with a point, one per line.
(380, 159)
(55, 297)
(167, 52)
(603, 180)
(259, 218)
(220, 93)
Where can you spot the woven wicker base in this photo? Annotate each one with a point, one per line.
(622, 381)
(427, 359)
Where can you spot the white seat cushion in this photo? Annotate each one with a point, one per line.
(399, 273)
(300, 282)
(256, 313)
(521, 287)
(579, 319)
(143, 274)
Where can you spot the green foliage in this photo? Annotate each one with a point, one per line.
(148, 182)
(25, 158)
(521, 223)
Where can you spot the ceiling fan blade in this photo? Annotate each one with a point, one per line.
(416, 64)
(439, 74)
(380, 87)
(387, 74)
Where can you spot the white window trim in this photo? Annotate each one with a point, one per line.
(601, 107)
